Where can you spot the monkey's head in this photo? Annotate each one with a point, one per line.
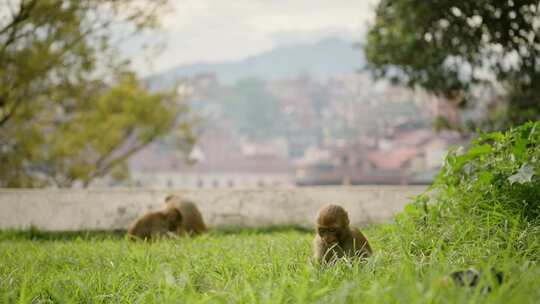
(171, 197)
(332, 223)
(173, 201)
(174, 218)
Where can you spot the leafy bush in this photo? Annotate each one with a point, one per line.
(488, 195)
(498, 171)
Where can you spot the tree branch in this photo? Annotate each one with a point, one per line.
(116, 161)
(10, 113)
(18, 18)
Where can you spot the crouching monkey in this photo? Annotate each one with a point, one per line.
(156, 224)
(335, 238)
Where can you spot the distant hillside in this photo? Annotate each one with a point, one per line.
(321, 60)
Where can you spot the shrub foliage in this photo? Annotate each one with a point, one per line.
(487, 195)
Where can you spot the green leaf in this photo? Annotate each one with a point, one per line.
(520, 147)
(485, 177)
(479, 151)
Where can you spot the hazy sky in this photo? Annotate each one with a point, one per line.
(217, 30)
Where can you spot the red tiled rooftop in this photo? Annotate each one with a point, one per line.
(392, 160)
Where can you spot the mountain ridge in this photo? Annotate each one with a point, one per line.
(321, 59)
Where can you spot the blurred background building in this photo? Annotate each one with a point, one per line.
(293, 116)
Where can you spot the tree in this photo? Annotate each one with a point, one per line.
(70, 108)
(452, 47)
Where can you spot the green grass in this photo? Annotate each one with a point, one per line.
(483, 211)
(246, 266)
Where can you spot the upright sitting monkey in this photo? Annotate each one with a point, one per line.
(192, 222)
(335, 238)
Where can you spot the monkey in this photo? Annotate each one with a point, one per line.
(193, 223)
(156, 224)
(335, 238)
(472, 277)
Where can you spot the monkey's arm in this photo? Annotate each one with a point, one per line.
(321, 252)
(134, 230)
(326, 253)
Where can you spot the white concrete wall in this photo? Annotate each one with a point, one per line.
(76, 209)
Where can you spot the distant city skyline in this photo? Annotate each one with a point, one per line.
(212, 31)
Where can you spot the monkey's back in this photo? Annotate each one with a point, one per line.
(360, 243)
(193, 220)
